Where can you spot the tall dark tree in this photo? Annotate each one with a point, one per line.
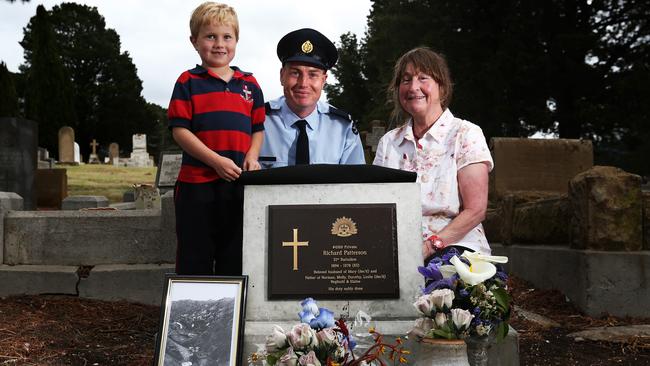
(48, 94)
(348, 71)
(8, 96)
(107, 89)
(576, 67)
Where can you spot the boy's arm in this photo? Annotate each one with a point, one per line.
(250, 161)
(225, 168)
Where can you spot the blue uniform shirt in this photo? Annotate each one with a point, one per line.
(332, 139)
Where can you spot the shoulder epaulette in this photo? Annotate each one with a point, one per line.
(267, 108)
(343, 114)
(346, 116)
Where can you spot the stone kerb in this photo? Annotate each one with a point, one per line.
(73, 203)
(85, 238)
(8, 201)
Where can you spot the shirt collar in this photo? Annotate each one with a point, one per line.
(289, 118)
(198, 70)
(438, 131)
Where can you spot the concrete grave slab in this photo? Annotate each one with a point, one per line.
(73, 203)
(37, 279)
(142, 283)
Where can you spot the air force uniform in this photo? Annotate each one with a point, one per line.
(333, 139)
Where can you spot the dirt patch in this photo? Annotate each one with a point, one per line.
(65, 330)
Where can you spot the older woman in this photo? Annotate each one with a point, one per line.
(449, 155)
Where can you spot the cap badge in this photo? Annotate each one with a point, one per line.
(307, 47)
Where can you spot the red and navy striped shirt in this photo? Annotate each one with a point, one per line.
(222, 115)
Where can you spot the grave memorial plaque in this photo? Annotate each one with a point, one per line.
(169, 165)
(333, 251)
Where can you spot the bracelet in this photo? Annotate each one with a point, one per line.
(437, 242)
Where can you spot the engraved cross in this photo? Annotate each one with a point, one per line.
(94, 145)
(295, 244)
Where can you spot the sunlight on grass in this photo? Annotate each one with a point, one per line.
(106, 180)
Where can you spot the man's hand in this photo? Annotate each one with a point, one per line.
(251, 163)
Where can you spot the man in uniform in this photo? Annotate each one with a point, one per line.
(300, 129)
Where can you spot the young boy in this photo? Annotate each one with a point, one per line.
(216, 115)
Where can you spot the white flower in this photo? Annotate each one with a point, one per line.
(422, 327)
(423, 304)
(461, 318)
(447, 270)
(478, 272)
(302, 336)
(476, 256)
(309, 359)
(327, 337)
(277, 340)
(441, 319)
(441, 297)
(289, 358)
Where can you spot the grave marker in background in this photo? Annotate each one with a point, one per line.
(66, 145)
(114, 153)
(18, 147)
(169, 165)
(93, 158)
(139, 156)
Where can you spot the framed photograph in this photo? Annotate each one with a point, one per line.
(201, 321)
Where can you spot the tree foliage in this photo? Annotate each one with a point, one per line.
(8, 96)
(575, 67)
(48, 92)
(105, 86)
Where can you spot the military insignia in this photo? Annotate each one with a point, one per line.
(307, 47)
(344, 227)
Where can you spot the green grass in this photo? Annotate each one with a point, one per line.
(106, 180)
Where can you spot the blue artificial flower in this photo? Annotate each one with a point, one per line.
(306, 316)
(463, 293)
(430, 272)
(309, 310)
(476, 311)
(451, 252)
(435, 285)
(325, 319)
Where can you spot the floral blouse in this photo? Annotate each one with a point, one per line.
(449, 145)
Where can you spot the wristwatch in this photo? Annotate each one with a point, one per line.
(437, 242)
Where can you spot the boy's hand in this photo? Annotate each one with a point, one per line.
(226, 169)
(251, 163)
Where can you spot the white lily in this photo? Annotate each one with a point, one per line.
(447, 270)
(474, 256)
(478, 272)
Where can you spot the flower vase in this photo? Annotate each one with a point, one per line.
(477, 350)
(439, 352)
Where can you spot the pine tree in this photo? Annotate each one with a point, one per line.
(48, 92)
(8, 96)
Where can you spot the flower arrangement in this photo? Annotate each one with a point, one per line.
(321, 340)
(465, 295)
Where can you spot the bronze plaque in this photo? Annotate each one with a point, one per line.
(333, 251)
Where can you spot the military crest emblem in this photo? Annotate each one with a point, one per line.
(344, 227)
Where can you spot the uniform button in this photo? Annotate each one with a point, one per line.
(227, 89)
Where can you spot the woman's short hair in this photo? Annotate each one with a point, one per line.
(426, 61)
(211, 12)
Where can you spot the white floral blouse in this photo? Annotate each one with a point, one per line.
(449, 145)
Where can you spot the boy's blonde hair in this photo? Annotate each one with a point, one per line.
(209, 12)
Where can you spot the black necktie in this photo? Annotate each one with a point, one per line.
(302, 145)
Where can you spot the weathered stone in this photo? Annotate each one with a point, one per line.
(492, 225)
(34, 280)
(8, 201)
(18, 157)
(51, 187)
(646, 220)
(114, 153)
(542, 222)
(141, 283)
(598, 282)
(622, 334)
(74, 203)
(66, 145)
(536, 318)
(522, 164)
(606, 210)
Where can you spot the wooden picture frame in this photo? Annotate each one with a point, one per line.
(201, 320)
